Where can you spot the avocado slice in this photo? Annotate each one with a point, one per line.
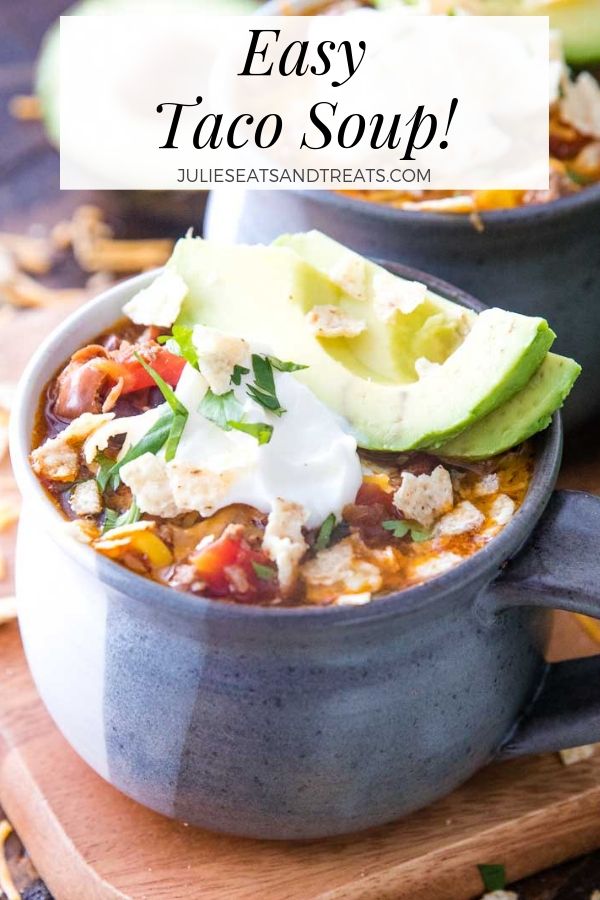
(388, 350)
(264, 294)
(529, 411)
(47, 74)
(579, 24)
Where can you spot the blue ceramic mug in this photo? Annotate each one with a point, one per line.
(307, 722)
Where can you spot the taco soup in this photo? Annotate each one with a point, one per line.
(295, 425)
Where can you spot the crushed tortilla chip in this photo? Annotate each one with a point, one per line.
(83, 530)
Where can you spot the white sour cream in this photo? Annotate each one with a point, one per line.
(311, 458)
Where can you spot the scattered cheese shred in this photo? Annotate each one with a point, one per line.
(139, 537)
(25, 107)
(573, 755)
(8, 609)
(7, 885)
(9, 514)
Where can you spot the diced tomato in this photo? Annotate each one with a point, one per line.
(370, 494)
(125, 366)
(226, 566)
(366, 515)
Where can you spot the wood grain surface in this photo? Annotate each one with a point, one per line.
(89, 841)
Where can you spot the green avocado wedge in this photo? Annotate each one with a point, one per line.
(579, 24)
(264, 294)
(387, 348)
(47, 74)
(529, 411)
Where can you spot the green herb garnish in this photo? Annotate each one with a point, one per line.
(493, 877)
(259, 430)
(225, 411)
(265, 573)
(220, 409)
(263, 390)
(579, 179)
(180, 413)
(420, 534)
(112, 519)
(400, 529)
(152, 442)
(104, 474)
(237, 374)
(282, 366)
(175, 432)
(180, 342)
(165, 389)
(325, 532)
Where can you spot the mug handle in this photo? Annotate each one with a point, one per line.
(559, 568)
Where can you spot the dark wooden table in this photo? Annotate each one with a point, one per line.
(29, 194)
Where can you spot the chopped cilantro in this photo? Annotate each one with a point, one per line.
(177, 426)
(420, 534)
(263, 390)
(237, 374)
(180, 342)
(285, 366)
(165, 389)
(259, 430)
(152, 442)
(112, 519)
(220, 409)
(265, 573)
(325, 532)
(399, 529)
(104, 474)
(493, 876)
(180, 413)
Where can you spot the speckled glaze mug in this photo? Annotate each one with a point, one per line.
(308, 722)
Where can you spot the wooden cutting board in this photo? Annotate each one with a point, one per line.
(91, 843)
(88, 841)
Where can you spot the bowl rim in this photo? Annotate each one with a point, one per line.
(483, 566)
(589, 196)
(499, 218)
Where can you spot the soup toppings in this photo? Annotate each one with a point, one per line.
(196, 456)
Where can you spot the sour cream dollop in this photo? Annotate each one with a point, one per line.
(311, 458)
